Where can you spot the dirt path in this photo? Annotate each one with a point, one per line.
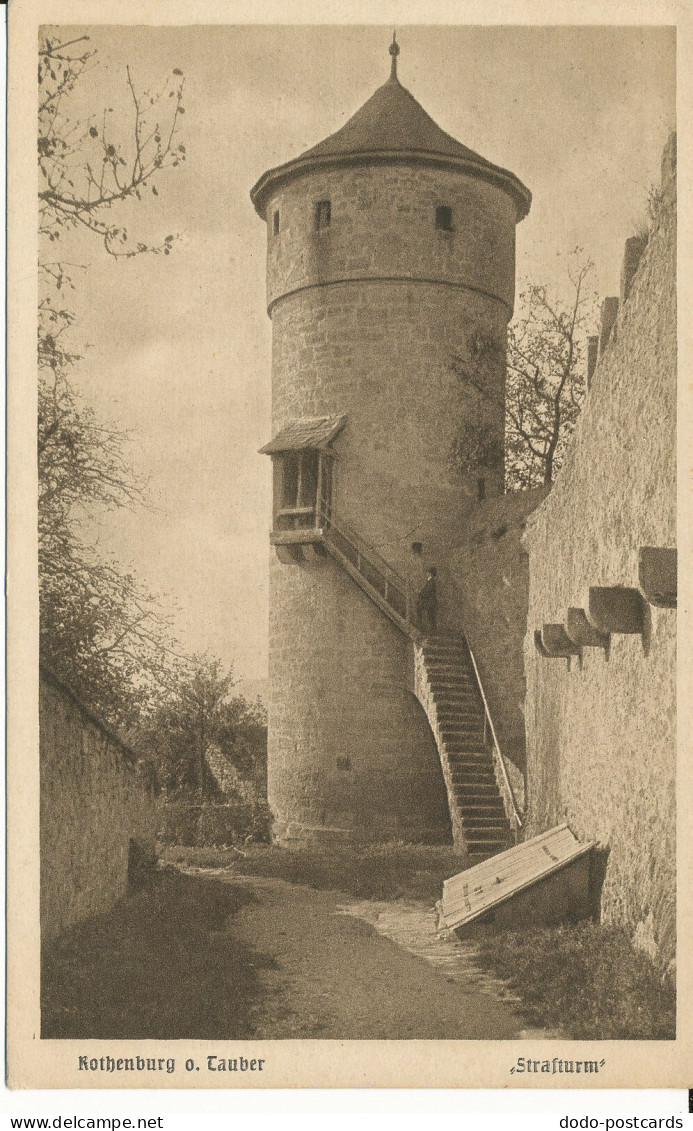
(337, 974)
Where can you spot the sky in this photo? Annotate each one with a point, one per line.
(179, 347)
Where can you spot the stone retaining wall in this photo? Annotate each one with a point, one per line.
(207, 824)
(98, 815)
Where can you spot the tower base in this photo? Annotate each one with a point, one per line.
(293, 834)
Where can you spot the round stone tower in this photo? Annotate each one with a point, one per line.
(391, 249)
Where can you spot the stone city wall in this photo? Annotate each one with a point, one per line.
(98, 812)
(601, 731)
(490, 578)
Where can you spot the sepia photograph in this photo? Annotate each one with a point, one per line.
(356, 556)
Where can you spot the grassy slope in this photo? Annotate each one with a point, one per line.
(585, 979)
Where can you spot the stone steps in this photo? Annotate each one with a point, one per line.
(465, 727)
(454, 676)
(476, 793)
(473, 775)
(485, 834)
(479, 803)
(448, 648)
(454, 721)
(453, 689)
(459, 699)
(463, 709)
(457, 717)
(491, 815)
(484, 830)
(442, 667)
(483, 788)
(485, 846)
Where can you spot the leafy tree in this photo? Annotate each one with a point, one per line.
(545, 384)
(100, 629)
(197, 713)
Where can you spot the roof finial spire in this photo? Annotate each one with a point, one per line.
(394, 51)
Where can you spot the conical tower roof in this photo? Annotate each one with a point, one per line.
(393, 126)
(391, 120)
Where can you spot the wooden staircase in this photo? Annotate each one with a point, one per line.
(447, 687)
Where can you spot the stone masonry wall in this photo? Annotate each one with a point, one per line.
(602, 733)
(383, 226)
(367, 316)
(94, 802)
(381, 353)
(350, 752)
(490, 574)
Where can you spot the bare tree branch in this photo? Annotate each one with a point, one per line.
(100, 627)
(544, 387)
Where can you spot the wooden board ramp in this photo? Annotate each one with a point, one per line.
(543, 880)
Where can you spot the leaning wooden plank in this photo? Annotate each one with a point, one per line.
(490, 888)
(509, 870)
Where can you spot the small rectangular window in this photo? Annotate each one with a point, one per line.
(300, 475)
(290, 478)
(309, 479)
(323, 215)
(444, 218)
(275, 223)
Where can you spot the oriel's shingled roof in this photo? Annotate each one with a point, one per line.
(392, 125)
(311, 432)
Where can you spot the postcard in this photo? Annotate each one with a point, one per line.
(349, 546)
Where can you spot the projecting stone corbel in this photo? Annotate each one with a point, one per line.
(657, 576)
(289, 555)
(539, 645)
(315, 550)
(582, 633)
(615, 609)
(556, 642)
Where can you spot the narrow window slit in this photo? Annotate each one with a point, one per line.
(323, 215)
(444, 218)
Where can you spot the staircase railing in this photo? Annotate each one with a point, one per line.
(399, 600)
(393, 589)
(504, 783)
